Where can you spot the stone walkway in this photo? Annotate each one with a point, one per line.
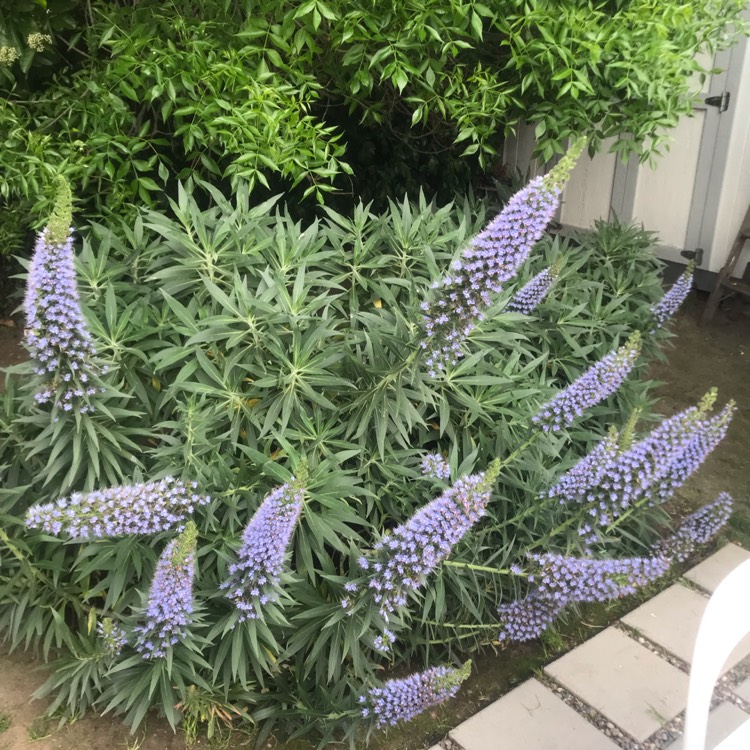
(626, 687)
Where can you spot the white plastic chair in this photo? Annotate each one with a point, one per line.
(725, 623)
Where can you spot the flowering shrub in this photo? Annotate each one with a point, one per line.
(342, 464)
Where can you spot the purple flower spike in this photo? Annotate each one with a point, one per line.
(528, 298)
(118, 511)
(56, 332)
(562, 580)
(614, 477)
(409, 553)
(581, 579)
(698, 528)
(255, 576)
(112, 635)
(670, 303)
(402, 700)
(170, 599)
(434, 465)
(462, 297)
(526, 619)
(598, 382)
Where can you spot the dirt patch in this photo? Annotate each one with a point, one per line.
(27, 728)
(699, 358)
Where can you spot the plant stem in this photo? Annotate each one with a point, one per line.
(481, 568)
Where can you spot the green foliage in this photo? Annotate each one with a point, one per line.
(243, 344)
(128, 97)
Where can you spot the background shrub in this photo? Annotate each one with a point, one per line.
(365, 99)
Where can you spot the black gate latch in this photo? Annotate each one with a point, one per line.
(721, 101)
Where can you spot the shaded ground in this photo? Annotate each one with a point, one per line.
(698, 359)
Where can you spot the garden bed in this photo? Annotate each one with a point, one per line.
(718, 355)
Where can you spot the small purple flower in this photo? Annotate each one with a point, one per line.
(434, 465)
(170, 599)
(698, 528)
(670, 303)
(527, 299)
(598, 382)
(403, 699)
(112, 635)
(56, 332)
(463, 296)
(255, 576)
(146, 508)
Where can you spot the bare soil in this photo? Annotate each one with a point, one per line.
(698, 359)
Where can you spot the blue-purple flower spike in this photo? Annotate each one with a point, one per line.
(461, 298)
(409, 553)
(698, 528)
(170, 599)
(254, 578)
(561, 580)
(598, 382)
(403, 699)
(528, 298)
(670, 303)
(146, 508)
(56, 332)
(619, 473)
(112, 636)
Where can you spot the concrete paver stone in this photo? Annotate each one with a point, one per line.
(633, 687)
(743, 689)
(712, 571)
(671, 619)
(721, 723)
(530, 717)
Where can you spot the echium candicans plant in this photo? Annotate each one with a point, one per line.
(56, 333)
(247, 341)
(698, 528)
(560, 580)
(619, 474)
(403, 558)
(557, 580)
(402, 699)
(461, 299)
(598, 382)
